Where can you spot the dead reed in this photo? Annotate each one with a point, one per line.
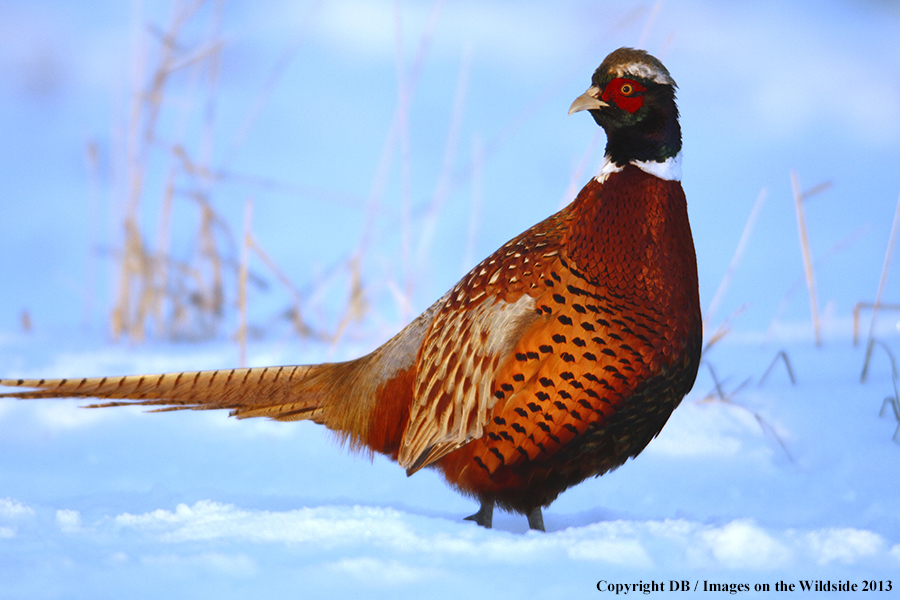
(895, 225)
(799, 199)
(172, 120)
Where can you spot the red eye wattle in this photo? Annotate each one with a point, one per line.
(625, 93)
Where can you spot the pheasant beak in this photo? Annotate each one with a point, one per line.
(589, 100)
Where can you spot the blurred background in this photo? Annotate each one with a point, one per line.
(315, 174)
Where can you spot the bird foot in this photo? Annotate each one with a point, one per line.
(536, 519)
(484, 516)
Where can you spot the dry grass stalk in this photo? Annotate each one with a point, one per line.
(442, 188)
(242, 283)
(736, 258)
(881, 283)
(723, 330)
(397, 138)
(133, 268)
(719, 395)
(894, 403)
(800, 282)
(873, 342)
(185, 299)
(859, 306)
(787, 365)
(890, 401)
(407, 83)
(799, 199)
(163, 248)
(212, 301)
(357, 303)
(718, 392)
(142, 282)
(300, 326)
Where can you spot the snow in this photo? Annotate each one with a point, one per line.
(754, 480)
(190, 502)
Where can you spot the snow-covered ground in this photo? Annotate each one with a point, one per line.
(751, 482)
(119, 503)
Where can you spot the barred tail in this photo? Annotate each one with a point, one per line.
(283, 393)
(365, 401)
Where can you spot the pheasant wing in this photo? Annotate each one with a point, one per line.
(474, 332)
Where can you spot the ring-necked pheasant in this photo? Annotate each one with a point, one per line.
(557, 358)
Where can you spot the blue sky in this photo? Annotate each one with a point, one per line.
(764, 88)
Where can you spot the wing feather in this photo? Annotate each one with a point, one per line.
(475, 330)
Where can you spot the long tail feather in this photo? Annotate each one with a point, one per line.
(284, 393)
(364, 401)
